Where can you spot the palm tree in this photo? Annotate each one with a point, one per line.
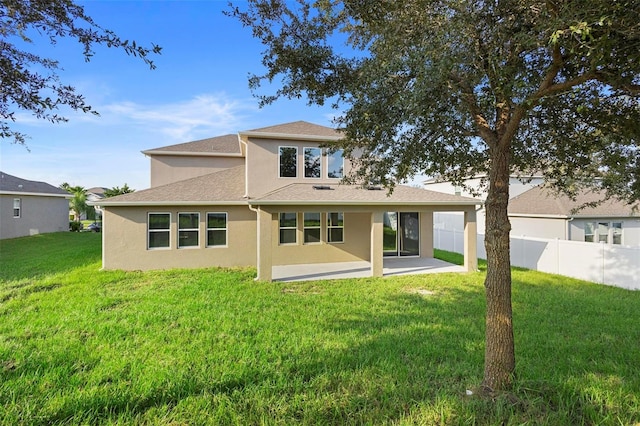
(78, 201)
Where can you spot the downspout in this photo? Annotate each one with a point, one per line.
(246, 180)
(257, 212)
(567, 233)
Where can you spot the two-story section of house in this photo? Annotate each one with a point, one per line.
(268, 197)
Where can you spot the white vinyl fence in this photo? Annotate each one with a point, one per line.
(601, 263)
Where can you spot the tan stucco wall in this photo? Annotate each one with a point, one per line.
(262, 162)
(168, 168)
(39, 215)
(125, 240)
(356, 245)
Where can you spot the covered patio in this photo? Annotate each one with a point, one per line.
(362, 269)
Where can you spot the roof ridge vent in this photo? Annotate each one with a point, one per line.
(322, 187)
(373, 187)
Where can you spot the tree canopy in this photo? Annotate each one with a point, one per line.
(30, 82)
(116, 190)
(454, 88)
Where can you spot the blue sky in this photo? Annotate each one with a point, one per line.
(198, 90)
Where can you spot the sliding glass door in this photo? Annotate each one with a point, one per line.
(401, 234)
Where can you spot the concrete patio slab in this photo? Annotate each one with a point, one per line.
(362, 269)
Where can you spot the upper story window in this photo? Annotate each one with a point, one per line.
(312, 162)
(188, 229)
(335, 164)
(158, 230)
(17, 207)
(288, 161)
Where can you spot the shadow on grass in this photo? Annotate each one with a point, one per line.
(23, 258)
(412, 357)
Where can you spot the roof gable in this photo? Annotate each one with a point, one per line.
(14, 184)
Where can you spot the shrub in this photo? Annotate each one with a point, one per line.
(75, 226)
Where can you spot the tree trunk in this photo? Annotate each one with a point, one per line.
(499, 364)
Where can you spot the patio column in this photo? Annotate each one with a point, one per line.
(264, 243)
(470, 240)
(377, 244)
(426, 234)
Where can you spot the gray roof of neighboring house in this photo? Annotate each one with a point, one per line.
(225, 186)
(298, 128)
(14, 184)
(97, 190)
(543, 201)
(310, 194)
(226, 144)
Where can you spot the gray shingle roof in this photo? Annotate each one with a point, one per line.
(299, 128)
(9, 183)
(226, 186)
(544, 201)
(303, 193)
(226, 144)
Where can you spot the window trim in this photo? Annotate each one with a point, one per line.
(329, 155)
(226, 230)
(149, 231)
(330, 227)
(613, 233)
(280, 162)
(304, 152)
(190, 230)
(305, 228)
(19, 208)
(280, 228)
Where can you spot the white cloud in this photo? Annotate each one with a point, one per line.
(201, 116)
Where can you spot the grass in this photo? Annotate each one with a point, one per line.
(211, 346)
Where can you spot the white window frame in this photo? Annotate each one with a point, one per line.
(330, 155)
(17, 202)
(305, 228)
(330, 227)
(319, 156)
(225, 229)
(613, 232)
(197, 230)
(149, 231)
(280, 162)
(281, 228)
(602, 235)
(592, 234)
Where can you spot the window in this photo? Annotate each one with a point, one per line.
(589, 232)
(216, 229)
(603, 232)
(312, 162)
(288, 228)
(312, 228)
(288, 161)
(335, 164)
(159, 229)
(17, 207)
(617, 232)
(188, 229)
(335, 227)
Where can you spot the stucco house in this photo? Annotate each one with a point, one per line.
(267, 197)
(30, 207)
(540, 212)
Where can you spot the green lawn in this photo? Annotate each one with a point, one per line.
(84, 346)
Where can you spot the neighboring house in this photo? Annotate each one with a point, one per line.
(266, 197)
(29, 207)
(94, 195)
(477, 188)
(541, 213)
